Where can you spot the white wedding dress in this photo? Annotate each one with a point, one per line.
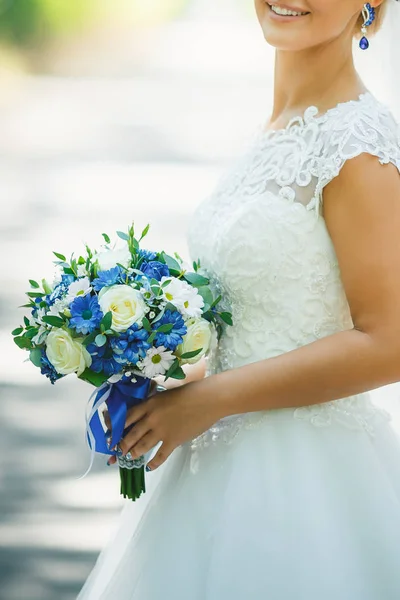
(289, 504)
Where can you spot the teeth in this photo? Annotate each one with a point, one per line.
(285, 11)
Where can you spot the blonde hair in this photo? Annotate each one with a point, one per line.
(377, 23)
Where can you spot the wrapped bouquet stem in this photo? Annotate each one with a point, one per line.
(117, 318)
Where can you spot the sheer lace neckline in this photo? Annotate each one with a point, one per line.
(313, 113)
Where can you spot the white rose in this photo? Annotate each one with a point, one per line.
(125, 303)
(66, 354)
(109, 258)
(199, 335)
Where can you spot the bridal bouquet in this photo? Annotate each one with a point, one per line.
(117, 318)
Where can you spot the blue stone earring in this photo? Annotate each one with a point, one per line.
(368, 13)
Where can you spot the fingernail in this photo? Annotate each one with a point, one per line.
(148, 468)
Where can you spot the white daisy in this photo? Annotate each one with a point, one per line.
(156, 362)
(182, 295)
(192, 304)
(81, 270)
(173, 291)
(80, 287)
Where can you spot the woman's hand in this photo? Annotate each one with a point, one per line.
(173, 417)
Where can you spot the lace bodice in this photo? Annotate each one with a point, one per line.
(262, 239)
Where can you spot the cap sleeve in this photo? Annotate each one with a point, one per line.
(351, 130)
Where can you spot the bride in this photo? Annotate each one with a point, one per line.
(277, 476)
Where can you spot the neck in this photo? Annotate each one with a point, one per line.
(320, 76)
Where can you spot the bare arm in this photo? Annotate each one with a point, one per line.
(362, 213)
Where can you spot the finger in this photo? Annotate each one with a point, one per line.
(136, 413)
(153, 387)
(161, 456)
(112, 460)
(107, 419)
(134, 435)
(147, 442)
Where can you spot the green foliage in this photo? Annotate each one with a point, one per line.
(27, 23)
(24, 22)
(96, 379)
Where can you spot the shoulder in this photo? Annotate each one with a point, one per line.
(363, 125)
(363, 128)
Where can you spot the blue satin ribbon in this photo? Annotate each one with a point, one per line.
(123, 395)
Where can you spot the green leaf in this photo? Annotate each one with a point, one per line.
(215, 302)
(17, 331)
(106, 237)
(46, 287)
(60, 256)
(191, 354)
(165, 283)
(54, 321)
(31, 333)
(172, 264)
(81, 260)
(151, 337)
(194, 266)
(145, 231)
(122, 267)
(107, 320)
(96, 379)
(69, 271)
(166, 328)
(123, 235)
(146, 324)
(135, 243)
(34, 284)
(206, 294)
(173, 367)
(196, 279)
(90, 338)
(170, 306)
(227, 317)
(35, 294)
(179, 373)
(208, 316)
(100, 340)
(26, 321)
(23, 342)
(35, 357)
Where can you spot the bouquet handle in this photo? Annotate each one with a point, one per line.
(132, 471)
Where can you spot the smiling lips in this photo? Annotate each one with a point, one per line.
(283, 10)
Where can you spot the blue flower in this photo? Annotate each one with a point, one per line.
(108, 278)
(48, 369)
(103, 359)
(60, 290)
(86, 314)
(147, 255)
(174, 337)
(155, 269)
(131, 345)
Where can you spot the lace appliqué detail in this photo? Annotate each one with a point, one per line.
(227, 429)
(354, 412)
